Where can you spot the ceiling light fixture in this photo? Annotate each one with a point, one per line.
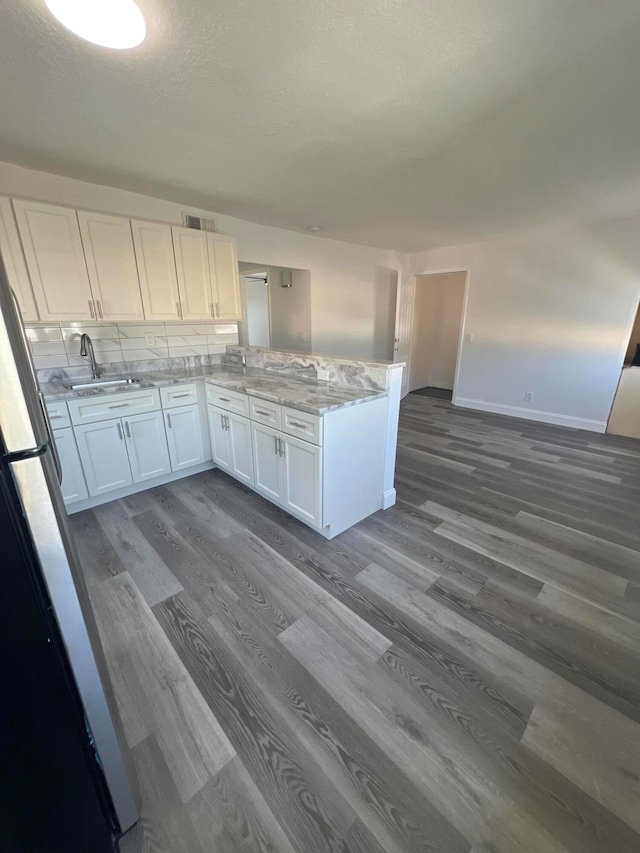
(118, 24)
(314, 229)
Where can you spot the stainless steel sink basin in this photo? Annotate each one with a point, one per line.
(103, 383)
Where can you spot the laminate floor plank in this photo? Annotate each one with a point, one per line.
(457, 674)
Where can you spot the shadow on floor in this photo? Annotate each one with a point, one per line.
(438, 393)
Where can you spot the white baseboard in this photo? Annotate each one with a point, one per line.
(532, 414)
(137, 487)
(388, 499)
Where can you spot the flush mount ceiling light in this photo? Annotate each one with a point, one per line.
(314, 229)
(118, 24)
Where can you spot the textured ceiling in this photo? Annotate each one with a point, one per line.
(402, 124)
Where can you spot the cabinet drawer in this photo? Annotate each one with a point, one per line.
(265, 413)
(302, 425)
(91, 409)
(232, 401)
(179, 395)
(58, 415)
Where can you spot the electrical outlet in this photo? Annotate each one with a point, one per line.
(149, 339)
(528, 396)
(323, 375)
(468, 338)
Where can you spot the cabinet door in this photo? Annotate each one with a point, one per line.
(111, 262)
(55, 259)
(104, 456)
(267, 463)
(73, 486)
(147, 446)
(184, 437)
(14, 262)
(220, 444)
(302, 475)
(240, 446)
(156, 270)
(225, 277)
(194, 277)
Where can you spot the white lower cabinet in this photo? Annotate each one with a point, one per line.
(220, 446)
(120, 452)
(184, 437)
(73, 485)
(231, 444)
(147, 446)
(103, 452)
(302, 479)
(267, 462)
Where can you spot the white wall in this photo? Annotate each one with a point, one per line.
(349, 283)
(290, 307)
(436, 330)
(256, 320)
(550, 312)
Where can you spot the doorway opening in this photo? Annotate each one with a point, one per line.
(276, 304)
(437, 322)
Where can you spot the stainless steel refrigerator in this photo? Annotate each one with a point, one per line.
(65, 782)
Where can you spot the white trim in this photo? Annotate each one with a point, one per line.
(137, 487)
(531, 414)
(388, 498)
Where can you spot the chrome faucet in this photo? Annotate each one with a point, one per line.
(86, 349)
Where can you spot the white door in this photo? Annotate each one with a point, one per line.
(184, 437)
(156, 270)
(225, 277)
(53, 251)
(240, 446)
(404, 325)
(147, 446)
(111, 262)
(194, 277)
(73, 485)
(104, 456)
(220, 444)
(14, 262)
(267, 462)
(302, 475)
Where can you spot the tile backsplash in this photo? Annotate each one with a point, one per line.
(58, 344)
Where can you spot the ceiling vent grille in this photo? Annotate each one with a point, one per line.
(199, 222)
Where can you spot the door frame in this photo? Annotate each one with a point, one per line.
(463, 320)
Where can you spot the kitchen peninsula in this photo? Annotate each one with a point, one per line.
(322, 449)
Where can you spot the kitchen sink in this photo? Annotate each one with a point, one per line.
(103, 383)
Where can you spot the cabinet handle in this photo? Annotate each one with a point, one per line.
(222, 422)
(217, 310)
(177, 396)
(169, 420)
(224, 399)
(226, 417)
(127, 429)
(277, 441)
(55, 417)
(264, 414)
(282, 447)
(211, 311)
(120, 431)
(91, 309)
(119, 406)
(99, 304)
(299, 425)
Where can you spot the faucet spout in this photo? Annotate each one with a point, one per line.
(86, 349)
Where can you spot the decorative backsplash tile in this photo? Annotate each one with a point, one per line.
(58, 345)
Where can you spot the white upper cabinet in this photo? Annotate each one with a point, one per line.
(194, 277)
(55, 259)
(225, 277)
(111, 262)
(14, 262)
(156, 269)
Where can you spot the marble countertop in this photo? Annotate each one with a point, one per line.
(307, 395)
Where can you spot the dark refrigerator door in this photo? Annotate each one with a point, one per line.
(52, 791)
